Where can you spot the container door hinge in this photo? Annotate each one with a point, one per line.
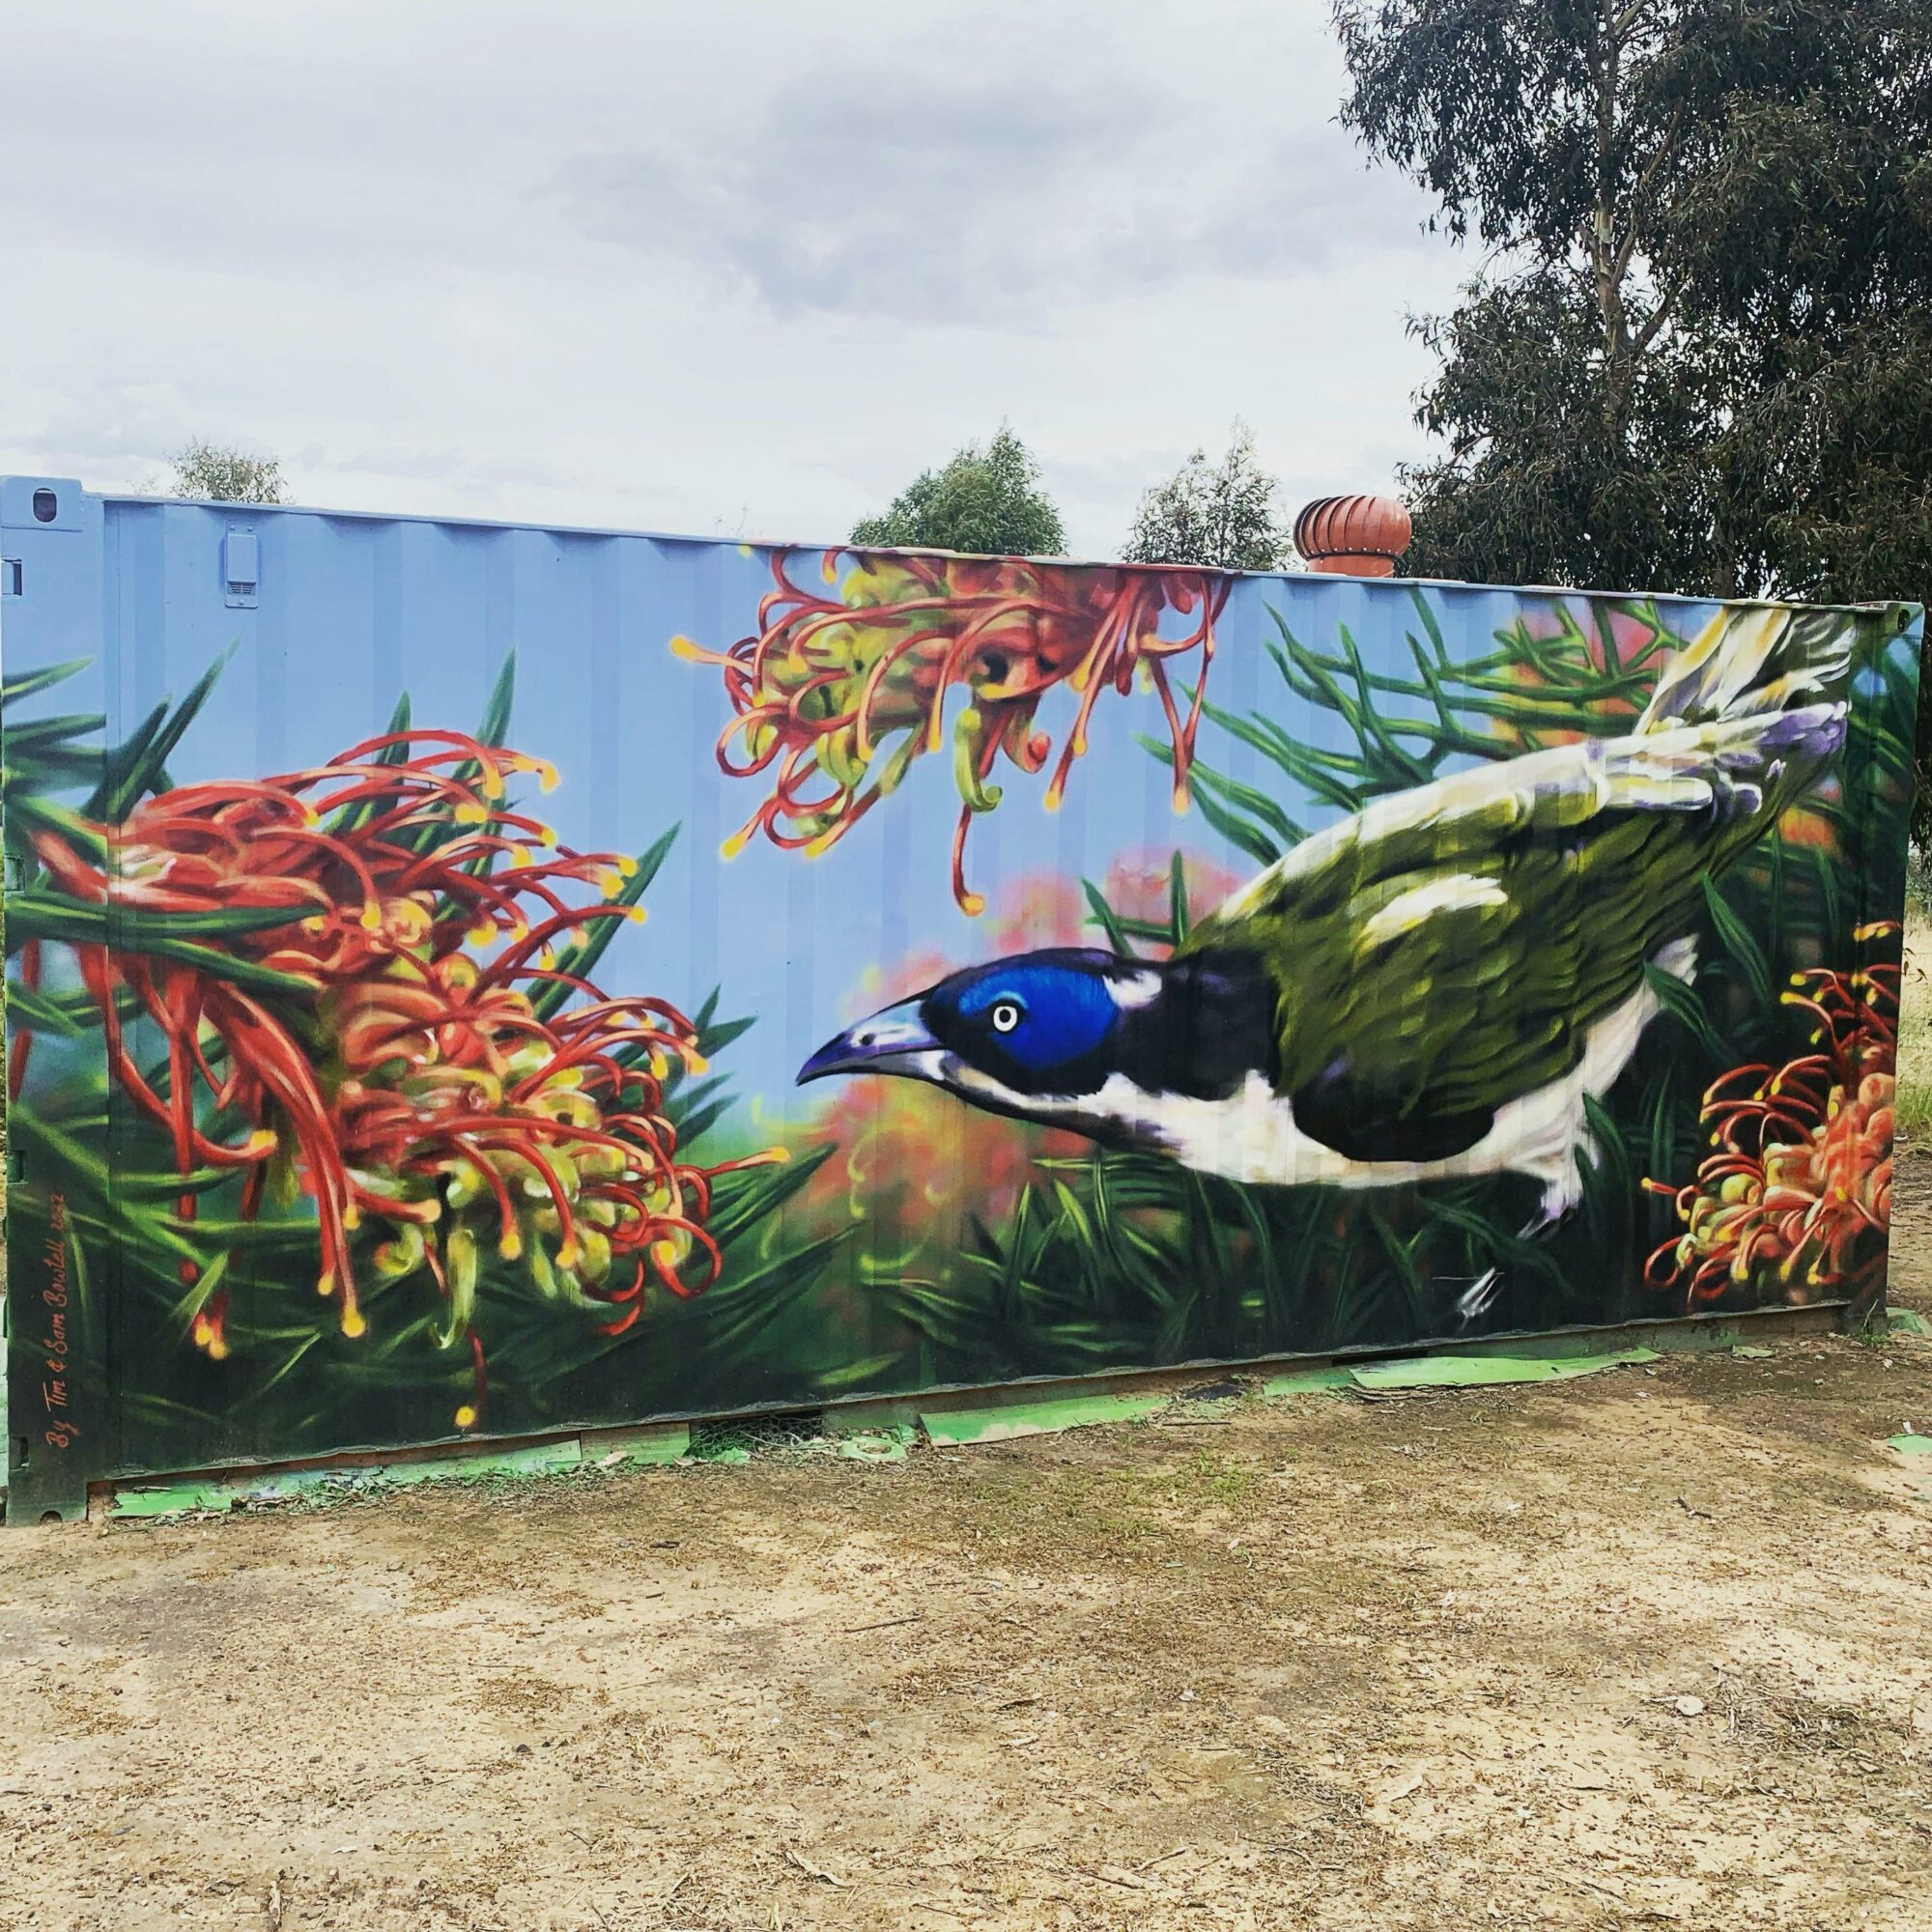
(241, 569)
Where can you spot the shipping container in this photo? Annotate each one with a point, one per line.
(472, 982)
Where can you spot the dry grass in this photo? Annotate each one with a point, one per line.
(1645, 1649)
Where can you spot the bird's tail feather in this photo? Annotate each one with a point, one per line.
(1752, 659)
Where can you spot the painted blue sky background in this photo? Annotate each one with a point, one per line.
(353, 611)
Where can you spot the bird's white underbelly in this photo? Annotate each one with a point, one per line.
(1253, 1136)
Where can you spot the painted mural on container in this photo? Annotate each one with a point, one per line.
(953, 970)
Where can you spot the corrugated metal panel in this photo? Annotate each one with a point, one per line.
(914, 1237)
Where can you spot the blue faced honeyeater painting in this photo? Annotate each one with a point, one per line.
(1430, 987)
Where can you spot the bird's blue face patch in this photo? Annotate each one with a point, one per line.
(1027, 1017)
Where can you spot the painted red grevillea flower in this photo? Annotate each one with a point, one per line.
(837, 692)
(380, 1019)
(1797, 1192)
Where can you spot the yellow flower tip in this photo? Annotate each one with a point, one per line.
(1055, 793)
(665, 1253)
(325, 1285)
(492, 781)
(466, 1417)
(580, 935)
(688, 650)
(355, 1323)
(696, 1060)
(628, 867)
(352, 1216)
(777, 1157)
(547, 834)
(309, 814)
(566, 1256)
(519, 933)
(972, 904)
(262, 1141)
(483, 934)
(1182, 798)
(1077, 681)
(828, 566)
(217, 1348)
(520, 858)
(547, 775)
(732, 846)
(469, 812)
(203, 1331)
(821, 844)
(547, 958)
(372, 916)
(635, 914)
(511, 1246)
(316, 926)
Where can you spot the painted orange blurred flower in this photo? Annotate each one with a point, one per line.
(358, 966)
(837, 694)
(1558, 667)
(1797, 1192)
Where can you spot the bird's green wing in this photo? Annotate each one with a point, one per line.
(1448, 949)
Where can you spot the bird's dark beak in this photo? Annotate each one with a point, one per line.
(892, 1041)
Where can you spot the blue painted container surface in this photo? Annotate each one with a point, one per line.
(417, 933)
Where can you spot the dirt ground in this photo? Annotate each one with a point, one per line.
(1645, 1648)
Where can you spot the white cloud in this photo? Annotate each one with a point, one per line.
(750, 265)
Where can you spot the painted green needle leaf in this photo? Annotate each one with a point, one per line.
(493, 731)
(1237, 831)
(1739, 943)
(1216, 793)
(765, 1188)
(128, 778)
(693, 1125)
(714, 1039)
(26, 812)
(1682, 1003)
(1104, 915)
(579, 962)
(495, 728)
(132, 928)
(1256, 803)
(26, 738)
(353, 816)
(126, 754)
(35, 1011)
(165, 935)
(28, 683)
(1425, 616)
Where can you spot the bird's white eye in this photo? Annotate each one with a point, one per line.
(1006, 1015)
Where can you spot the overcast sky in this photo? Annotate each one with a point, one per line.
(724, 266)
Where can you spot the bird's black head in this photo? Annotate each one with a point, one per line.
(1042, 1035)
(1037, 1023)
